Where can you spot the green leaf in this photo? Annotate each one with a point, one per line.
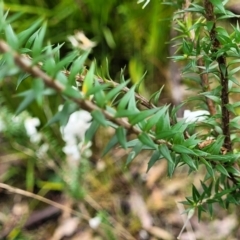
(222, 170)
(77, 67)
(222, 158)
(88, 80)
(154, 158)
(98, 88)
(215, 147)
(63, 115)
(180, 126)
(191, 142)
(29, 98)
(38, 42)
(124, 113)
(155, 96)
(234, 123)
(182, 149)
(12, 39)
(136, 150)
(138, 117)
(21, 77)
(63, 63)
(145, 139)
(210, 208)
(233, 170)
(111, 94)
(233, 61)
(171, 165)
(132, 143)
(24, 35)
(163, 124)
(166, 134)
(111, 144)
(99, 117)
(224, 192)
(70, 91)
(200, 210)
(124, 102)
(135, 142)
(38, 87)
(99, 95)
(50, 63)
(195, 8)
(121, 135)
(212, 97)
(219, 5)
(91, 131)
(217, 185)
(107, 69)
(189, 161)
(155, 118)
(207, 190)
(233, 71)
(195, 194)
(165, 152)
(208, 167)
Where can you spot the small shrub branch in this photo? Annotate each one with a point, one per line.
(221, 60)
(206, 87)
(200, 62)
(80, 78)
(26, 65)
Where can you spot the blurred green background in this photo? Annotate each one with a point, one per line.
(127, 35)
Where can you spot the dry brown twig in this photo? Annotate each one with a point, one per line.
(120, 230)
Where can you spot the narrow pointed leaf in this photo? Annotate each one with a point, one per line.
(22, 77)
(154, 158)
(112, 93)
(145, 139)
(189, 161)
(92, 130)
(182, 149)
(165, 152)
(141, 116)
(111, 144)
(11, 37)
(126, 98)
(99, 117)
(77, 68)
(136, 150)
(222, 170)
(25, 103)
(121, 135)
(23, 36)
(88, 80)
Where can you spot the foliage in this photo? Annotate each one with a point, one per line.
(210, 55)
(117, 27)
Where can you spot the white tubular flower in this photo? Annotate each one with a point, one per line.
(30, 125)
(72, 151)
(74, 132)
(76, 127)
(195, 116)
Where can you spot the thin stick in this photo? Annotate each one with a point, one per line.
(222, 65)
